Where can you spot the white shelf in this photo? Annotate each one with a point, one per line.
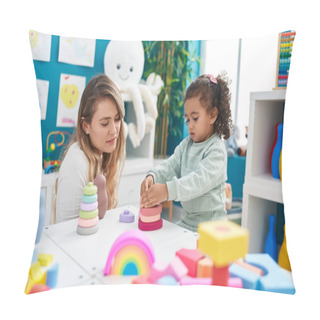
(264, 186)
(261, 192)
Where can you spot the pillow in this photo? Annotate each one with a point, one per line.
(132, 245)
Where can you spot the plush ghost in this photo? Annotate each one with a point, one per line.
(123, 63)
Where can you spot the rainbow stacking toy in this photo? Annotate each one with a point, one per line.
(88, 215)
(131, 254)
(150, 218)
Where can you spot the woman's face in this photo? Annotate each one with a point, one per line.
(105, 126)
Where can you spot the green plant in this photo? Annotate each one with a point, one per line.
(173, 61)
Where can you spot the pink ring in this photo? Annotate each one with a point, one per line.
(149, 218)
(151, 211)
(150, 226)
(88, 223)
(89, 206)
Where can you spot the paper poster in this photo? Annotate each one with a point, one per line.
(77, 51)
(43, 91)
(40, 45)
(71, 88)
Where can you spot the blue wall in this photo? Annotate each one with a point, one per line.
(51, 71)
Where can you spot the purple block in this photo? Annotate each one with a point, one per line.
(126, 216)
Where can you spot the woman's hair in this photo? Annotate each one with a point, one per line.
(212, 95)
(109, 164)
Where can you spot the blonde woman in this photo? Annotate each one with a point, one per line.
(97, 149)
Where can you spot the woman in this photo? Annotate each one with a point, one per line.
(97, 148)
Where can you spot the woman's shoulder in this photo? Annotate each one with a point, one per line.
(75, 155)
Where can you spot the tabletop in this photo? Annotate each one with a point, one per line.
(82, 258)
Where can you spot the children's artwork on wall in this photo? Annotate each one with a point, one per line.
(77, 51)
(43, 90)
(71, 88)
(40, 45)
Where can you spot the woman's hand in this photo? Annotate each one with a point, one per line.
(146, 184)
(157, 193)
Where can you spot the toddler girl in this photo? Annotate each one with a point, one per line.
(197, 171)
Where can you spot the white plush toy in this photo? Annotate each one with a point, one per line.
(123, 63)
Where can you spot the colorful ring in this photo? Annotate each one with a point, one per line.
(89, 199)
(88, 206)
(149, 219)
(150, 226)
(88, 214)
(151, 211)
(88, 223)
(87, 231)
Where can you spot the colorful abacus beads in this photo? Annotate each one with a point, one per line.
(150, 218)
(286, 42)
(88, 216)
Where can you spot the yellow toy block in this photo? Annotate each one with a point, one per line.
(36, 273)
(224, 241)
(29, 285)
(205, 267)
(45, 259)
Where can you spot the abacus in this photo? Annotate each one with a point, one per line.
(285, 43)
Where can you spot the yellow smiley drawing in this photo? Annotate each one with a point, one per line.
(69, 95)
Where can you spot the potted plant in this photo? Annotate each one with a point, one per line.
(173, 61)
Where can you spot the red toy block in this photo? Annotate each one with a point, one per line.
(190, 258)
(220, 276)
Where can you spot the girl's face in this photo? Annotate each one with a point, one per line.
(199, 121)
(105, 126)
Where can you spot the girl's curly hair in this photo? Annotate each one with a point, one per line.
(214, 95)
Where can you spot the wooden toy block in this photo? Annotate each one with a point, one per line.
(52, 276)
(235, 282)
(190, 258)
(167, 280)
(204, 267)
(250, 280)
(195, 281)
(224, 241)
(176, 268)
(45, 259)
(220, 275)
(250, 267)
(275, 278)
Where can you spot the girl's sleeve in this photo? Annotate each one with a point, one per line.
(170, 168)
(210, 172)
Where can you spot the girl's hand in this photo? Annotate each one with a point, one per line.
(146, 184)
(154, 195)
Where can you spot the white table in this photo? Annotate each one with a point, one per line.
(86, 255)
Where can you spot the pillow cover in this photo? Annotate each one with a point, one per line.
(127, 246)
